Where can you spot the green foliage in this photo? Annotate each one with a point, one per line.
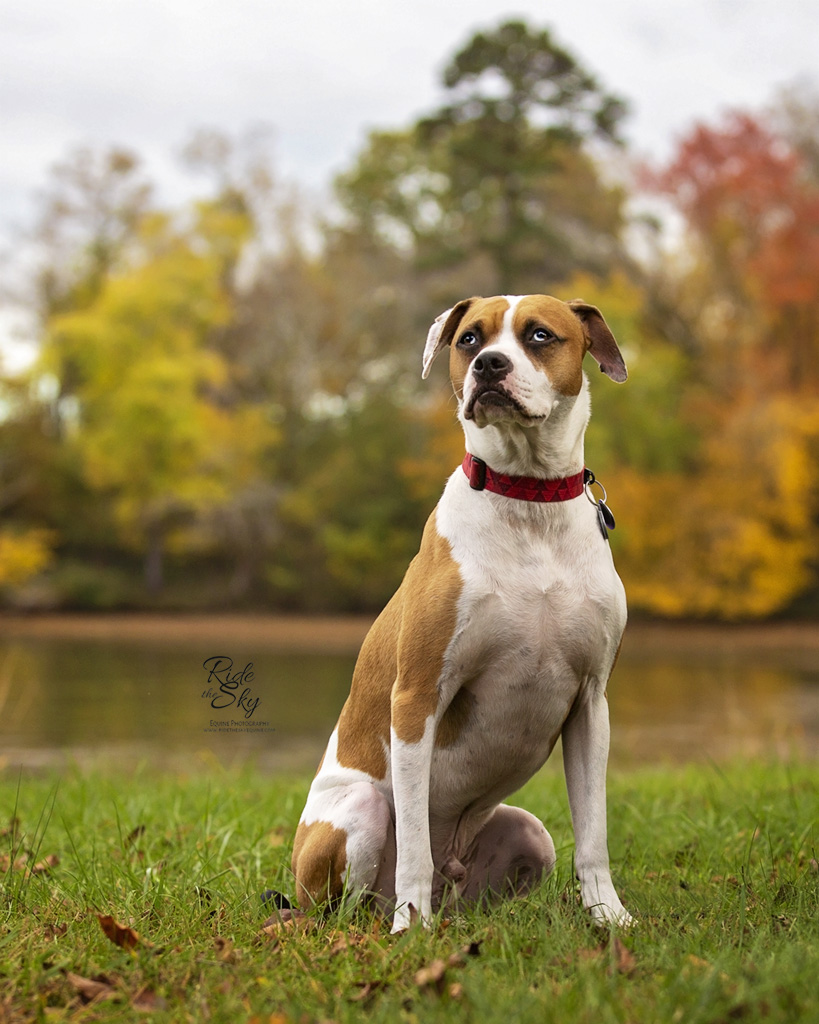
(353, 521)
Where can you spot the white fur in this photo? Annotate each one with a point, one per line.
(414, 866)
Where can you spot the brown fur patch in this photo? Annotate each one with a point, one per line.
(364, 724)
(455, 718)
(485, 318)
(427, 625)
(561, 360)
(396, 677)
(319, 860)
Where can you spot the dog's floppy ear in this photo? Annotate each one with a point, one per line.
(442, 331)
(602, 345)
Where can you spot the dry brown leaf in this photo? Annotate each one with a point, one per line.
(91, 989)
(284, 921)
(55, 931)
(147, 1000)
(49, 862)
(367, 990)
(433, 976)
(278, 836)
(341, 945)
(119, 934)
(12, 829)
(21, 863)
(624, 961)
(621, 958)
(224, 950)
(134, 834)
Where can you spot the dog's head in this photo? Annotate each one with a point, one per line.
(514, 358)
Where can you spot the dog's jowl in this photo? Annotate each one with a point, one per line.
(500, 639)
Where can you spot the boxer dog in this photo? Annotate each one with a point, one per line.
(500, 639)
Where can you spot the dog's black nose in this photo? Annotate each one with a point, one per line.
(491, 366)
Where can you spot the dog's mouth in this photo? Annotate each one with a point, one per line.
(491, 398)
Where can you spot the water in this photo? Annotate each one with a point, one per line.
(125, 690)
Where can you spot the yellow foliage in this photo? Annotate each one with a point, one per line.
(427, 471)
(734, 539)
(23, 555)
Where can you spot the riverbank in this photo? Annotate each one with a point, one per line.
(343, 634)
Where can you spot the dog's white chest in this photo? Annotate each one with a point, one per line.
(540, 618)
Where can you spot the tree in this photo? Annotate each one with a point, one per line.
(752, 208)
(498, 184)
(88, 214)
(151, 420)
(731, 531)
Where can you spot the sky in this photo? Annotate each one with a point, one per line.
(322, 73)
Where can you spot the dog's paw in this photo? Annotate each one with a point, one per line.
(405, 917)
(616, 915)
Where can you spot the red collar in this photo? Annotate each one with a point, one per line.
(527, 488)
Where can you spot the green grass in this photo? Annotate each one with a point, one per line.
(719, 865)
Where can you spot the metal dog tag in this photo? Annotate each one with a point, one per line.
(605, 519)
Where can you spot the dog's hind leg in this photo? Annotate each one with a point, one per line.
(339, 853)
(511, 853)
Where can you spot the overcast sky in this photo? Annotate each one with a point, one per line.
(145, 73)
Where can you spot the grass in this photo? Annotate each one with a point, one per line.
(719, 864)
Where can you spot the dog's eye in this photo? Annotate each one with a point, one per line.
(467, 340)
(541, 336)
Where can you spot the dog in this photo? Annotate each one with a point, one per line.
(500, 639)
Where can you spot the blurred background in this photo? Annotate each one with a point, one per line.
(226, 228)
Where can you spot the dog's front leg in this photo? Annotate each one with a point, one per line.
(585, 756)
(410, 762)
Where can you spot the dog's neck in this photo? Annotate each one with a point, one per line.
(548, 450)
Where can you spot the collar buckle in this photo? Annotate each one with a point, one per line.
(477, 473)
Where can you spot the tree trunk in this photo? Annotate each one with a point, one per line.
(154, 575)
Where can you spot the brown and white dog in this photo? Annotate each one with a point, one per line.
(500, 639)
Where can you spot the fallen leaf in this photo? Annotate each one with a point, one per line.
(433, 976)
(49, 862)
(278, 836)
(367, 991)
(13, 828)
(91, 989)
(624, 960)
(224, 950)
(55, 931)
(119, 934)
(341, 944)
(134, 834)
(621, 959)
(147, 1000)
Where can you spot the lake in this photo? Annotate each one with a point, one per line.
(186, 691)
